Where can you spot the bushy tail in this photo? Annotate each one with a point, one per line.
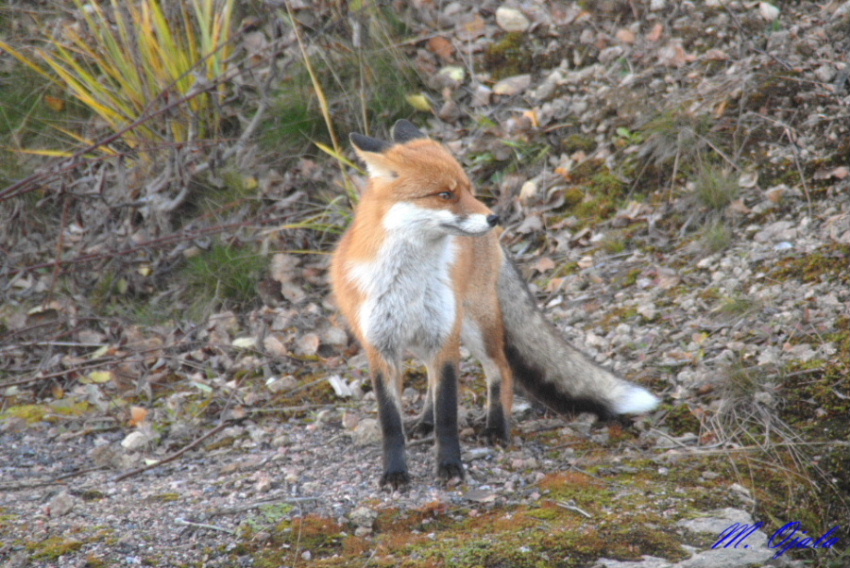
(553, 371)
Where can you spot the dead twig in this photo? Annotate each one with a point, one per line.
(181, 521)
(176, 454)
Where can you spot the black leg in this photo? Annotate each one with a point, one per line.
(497, 430)
(423, 425)
(449, 465)
(389, 414)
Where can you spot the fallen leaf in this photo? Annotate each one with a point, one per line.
(543, 264)
(656, 33)
(99, 377)
(138, 415)
(245, 342)
(55, 103)
(442, 47)
(840, 172)
(420, 102)
(626, 35)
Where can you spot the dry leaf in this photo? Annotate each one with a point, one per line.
(442, 47)
(475, 28)
(99, 377)
(55, 103)
(656, 33)
(840, 172)
(420, 101)
(138, 415)
(674, 55)
(543, 264)
(626, 35)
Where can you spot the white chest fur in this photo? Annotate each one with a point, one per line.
(410, 300)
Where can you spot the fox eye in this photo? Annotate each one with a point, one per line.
(446, 195)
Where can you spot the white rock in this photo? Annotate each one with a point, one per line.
(135, 440)
(768, 11)
(512, 85)
(511, 19)
(825, 73)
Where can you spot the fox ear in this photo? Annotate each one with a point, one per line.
(371, 150)
(405, 131)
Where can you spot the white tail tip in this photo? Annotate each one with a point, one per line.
(636, 400)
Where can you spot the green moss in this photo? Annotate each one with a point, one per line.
(53, 547)
(508, 56)
(32, 413)
(578, 143)
(829, 263)
(164, 498)
(681, 420)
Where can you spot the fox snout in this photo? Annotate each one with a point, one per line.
(474, 225)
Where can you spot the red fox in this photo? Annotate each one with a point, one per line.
(420, 270)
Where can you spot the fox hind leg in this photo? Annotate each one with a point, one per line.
(500, 398)
(486, 342)
(423, 425)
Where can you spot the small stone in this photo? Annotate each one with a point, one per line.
(825, 73)
(768, 11)
(135, 440)
(512, 85)
(511, 19)
(482, 96)
(366, 433)
(61, 504)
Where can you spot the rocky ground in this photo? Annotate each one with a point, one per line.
(675, 179)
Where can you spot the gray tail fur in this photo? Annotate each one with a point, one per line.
(553, 371)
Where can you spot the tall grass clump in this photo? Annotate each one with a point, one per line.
(354, 77)
(128, 61)
(225, 276)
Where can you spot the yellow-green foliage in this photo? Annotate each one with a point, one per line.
(33, 413)
(129, 59)
(54, 547)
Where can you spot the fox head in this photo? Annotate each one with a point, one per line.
(416, 185)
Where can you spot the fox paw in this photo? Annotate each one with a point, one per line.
(418, 428)
(395, 479)
(496, 436)
(450, 471)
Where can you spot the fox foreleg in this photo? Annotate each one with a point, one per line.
(386, 382)
(443, 378)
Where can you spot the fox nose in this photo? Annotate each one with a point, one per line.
(493, 220)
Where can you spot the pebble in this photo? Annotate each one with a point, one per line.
(511, 19)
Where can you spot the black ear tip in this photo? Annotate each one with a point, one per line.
(368, 144)
(405, 131)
